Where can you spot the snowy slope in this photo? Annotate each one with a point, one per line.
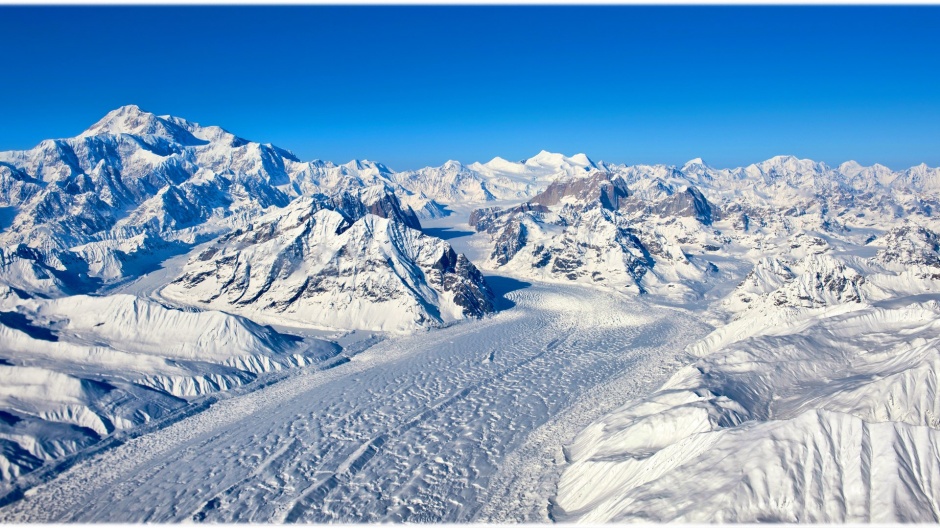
(77, 368)
(813, 399)
(818, 402)
(804, 423)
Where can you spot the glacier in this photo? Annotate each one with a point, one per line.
(199, 327)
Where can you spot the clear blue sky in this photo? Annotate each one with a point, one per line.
(415, 86)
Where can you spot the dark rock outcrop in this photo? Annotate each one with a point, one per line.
(601, 187)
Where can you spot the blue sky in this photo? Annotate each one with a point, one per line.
(415, 86)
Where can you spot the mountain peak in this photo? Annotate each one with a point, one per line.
(790, 163)
(498, 165)
(130, 119)
(556, 159)
(362, 165)
(782, 158)
(357, 164)
(543, 157)
(130, 109)
(851, 168)
(126, 119)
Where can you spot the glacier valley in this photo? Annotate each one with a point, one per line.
(199, 327)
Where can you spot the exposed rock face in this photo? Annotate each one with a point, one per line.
(509, 241)
(16, 186)
(689, 202)
(824, 281)
(817, 280)
(591, 229)
(601, 187)
(378, 200)
(910, 245)
(458, 276)
(581, 238)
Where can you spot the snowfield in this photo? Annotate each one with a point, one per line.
(76, 369)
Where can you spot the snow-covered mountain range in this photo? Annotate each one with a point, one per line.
(816, 402)
(136, 188)
(150, 262)
(314, 245)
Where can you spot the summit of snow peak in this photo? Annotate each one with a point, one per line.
(694, 162)
(554, 159)
(130, 119)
